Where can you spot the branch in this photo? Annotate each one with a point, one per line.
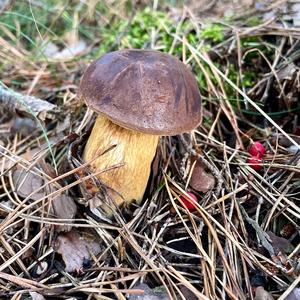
(28, 104)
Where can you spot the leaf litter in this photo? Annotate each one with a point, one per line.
(241, 241)
(32, 186)
(76, 249)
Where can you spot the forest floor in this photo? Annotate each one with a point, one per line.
(242, 238)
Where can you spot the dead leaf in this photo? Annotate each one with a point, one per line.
(294, 294)
(63, 207)
(148, 294)
(27, 182)
(9, 163)
(262, 294)
(187, 293)
(287, 230)
(75, 249)
(12, 160)
(201, 181)
(280, 244)
(287, 72)
(36, 296)
(23, 126)
(284, 141)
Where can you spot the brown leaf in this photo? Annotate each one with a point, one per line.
(27, 182)
(63, 207)
(287, 230)
(284, 141)
(187, 293)
(280, 244)
(201, 180)
(262, 294)
(287, 71)
(75, 249)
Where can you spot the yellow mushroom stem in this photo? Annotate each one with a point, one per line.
(135, 150)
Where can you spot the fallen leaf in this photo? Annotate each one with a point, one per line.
(75, 249)
(287, 72)
(63, 207)
(23, 126)
(284, 141)
(287, 230)
(148, 294)
(12, 160)
(201, 181)
(26, 182)
(294, 294)
(262, 294)
(9, 163)
(280, 244)
(187, 293)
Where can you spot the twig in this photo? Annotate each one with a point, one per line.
(28, 104)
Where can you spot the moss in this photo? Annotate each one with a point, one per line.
(213, 32)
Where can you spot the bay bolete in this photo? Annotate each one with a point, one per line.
(139, 95)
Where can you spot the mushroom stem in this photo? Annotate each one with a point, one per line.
(135, 150)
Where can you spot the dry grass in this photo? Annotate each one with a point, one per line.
(215, 252)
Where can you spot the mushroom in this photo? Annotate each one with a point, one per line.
(139, 95)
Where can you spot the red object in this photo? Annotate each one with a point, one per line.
(189, 203)
(255, 162)
(257, 149)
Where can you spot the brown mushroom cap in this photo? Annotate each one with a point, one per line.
(143, 90)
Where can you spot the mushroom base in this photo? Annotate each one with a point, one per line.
(134, 150)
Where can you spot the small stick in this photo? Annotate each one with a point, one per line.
(28, 104)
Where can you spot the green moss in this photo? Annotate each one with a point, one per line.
(213, 32)
(253, 21)
(145, 26)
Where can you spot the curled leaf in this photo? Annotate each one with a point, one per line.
(201, 180)
(75, 249)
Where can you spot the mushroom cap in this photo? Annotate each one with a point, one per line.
(143, 90)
